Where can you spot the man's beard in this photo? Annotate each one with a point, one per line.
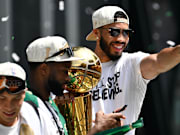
(106, 49)
(55, 87)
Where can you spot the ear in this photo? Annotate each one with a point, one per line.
(44, 69)
(97, 33)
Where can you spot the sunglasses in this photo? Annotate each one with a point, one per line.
(12, 85)
(114, 32)
(61, 53)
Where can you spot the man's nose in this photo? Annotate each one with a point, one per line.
(9, 105)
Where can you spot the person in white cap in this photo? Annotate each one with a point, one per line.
(124, 75)
(49, 60)
(16, 116)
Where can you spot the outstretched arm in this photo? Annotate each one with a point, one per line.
(163, 61)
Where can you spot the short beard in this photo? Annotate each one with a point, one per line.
(106, 49)
(55, 87)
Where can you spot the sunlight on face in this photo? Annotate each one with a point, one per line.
(113, 46)
(10, 105)
(58, 77)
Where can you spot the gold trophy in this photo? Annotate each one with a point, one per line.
(76, 106)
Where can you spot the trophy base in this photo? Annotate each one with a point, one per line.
(77, 112)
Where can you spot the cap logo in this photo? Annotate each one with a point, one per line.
(2, 82)
(13, 71)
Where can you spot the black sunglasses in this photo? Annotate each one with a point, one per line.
(61, 53)
(11, 84)
(114, 32)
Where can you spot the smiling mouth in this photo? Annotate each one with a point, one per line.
(118, 47)
(9, 114)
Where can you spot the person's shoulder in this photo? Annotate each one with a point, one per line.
(130, 58)
(39, 124)
(134, 55)
(34, 100)
(29, 116)
(139, 53)
(30, 97)
(27, 110)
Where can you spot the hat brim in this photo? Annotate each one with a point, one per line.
(91, 36)
(55, 59)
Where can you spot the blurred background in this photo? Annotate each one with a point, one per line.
(156, 24)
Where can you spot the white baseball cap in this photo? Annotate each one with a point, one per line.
(50, 48)
(106, 15)
(12, 69)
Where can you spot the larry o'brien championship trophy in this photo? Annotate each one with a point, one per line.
(76, 105)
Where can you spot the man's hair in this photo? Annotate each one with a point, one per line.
(119, 14)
